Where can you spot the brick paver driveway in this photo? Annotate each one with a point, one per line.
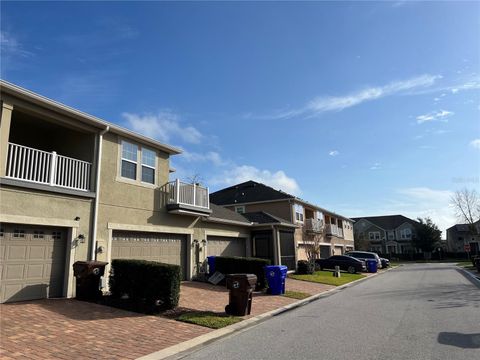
(71, 329)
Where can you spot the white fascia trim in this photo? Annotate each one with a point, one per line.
(150, 228)
(339, 245)
(30, 220)
(225, 221)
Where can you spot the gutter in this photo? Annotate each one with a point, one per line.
(93, 255)
(225, 221)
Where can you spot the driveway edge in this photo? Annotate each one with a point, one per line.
(470, 276)
(182, 349)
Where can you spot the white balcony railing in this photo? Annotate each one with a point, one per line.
(314, 225)
(42, 167)
(332, 229)
(179, 192)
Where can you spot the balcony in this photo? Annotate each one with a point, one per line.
(334, 230)
(185, 198)
(47, 168)
(313, 225)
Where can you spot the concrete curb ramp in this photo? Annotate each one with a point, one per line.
(180, 350)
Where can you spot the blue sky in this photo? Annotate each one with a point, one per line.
(365, 108)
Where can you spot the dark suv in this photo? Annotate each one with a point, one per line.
(365, 255)
(346, 263)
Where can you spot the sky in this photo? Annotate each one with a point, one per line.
(363, 108)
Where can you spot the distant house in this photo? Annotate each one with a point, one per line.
(460, 235)
(390, 234)
(251, 197)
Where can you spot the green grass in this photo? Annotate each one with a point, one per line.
(209, 319)
(326, 277)
(296, 295)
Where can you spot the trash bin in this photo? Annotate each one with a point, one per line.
(211, 265)
(372, 266)
(241, 289)
(276, 275)
(88, 274)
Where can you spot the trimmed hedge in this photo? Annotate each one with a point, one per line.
(305, 267)
(150, 286)
(243, 265)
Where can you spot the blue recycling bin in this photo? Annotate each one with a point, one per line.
(372, 266)
(211, 265)
(276, 275)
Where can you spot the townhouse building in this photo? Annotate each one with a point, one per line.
(463, 237)
(336, 231)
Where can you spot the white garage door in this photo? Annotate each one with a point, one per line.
(32, 262)
(161, 247)
(225, 246)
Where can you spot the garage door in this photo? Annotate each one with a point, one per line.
(166, 248)
(32, 262)
(225, 246)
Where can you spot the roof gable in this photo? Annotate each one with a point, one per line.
(247, 192)
(388, 222)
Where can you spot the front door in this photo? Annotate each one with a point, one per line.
(263, 245)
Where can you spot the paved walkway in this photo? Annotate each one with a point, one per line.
(71, 329)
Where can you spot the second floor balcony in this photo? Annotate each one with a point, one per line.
(314, 225)
(47, 168)
(186, 198)
(334, 230)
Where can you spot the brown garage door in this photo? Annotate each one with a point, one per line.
(162, 247)
(32, 262)
(225, 246)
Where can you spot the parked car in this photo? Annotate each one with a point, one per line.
(346, 263)
(385, 263)
(365, 255)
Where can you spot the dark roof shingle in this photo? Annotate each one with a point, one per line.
(388, 222)
(247, 192)
(219, 212)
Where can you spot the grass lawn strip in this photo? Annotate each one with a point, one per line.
(209, 319)
(326, 277)
(296, 295)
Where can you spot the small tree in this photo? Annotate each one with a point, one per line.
(311, 243)
(427, 237)
(467, 207)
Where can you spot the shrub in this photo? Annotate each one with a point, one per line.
(305, 267)
(150, 286)
(243, 265)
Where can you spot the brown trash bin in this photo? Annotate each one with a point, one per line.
(241, 288)
(88, 274)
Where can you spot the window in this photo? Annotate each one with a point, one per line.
(18, 233)
(56, 234)
(129, 160)
(391, 235)
(240, 209)
(135, 157)
(38, 234)
(299, 213)
(148, 166)
(374, 235)
(1, 232)
(405, 233)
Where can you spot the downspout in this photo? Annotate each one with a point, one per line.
(276, 246)
(93, 255)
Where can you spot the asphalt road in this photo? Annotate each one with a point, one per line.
(414, 312)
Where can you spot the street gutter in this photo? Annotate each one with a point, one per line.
(185, 348)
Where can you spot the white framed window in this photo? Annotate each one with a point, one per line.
(56, 235)
(129, 160)
(406, 233)
(18, 233)
(148, 166)
(374, 235)
(240, 209)
(138, 163)
(299, 212)
(38, 234)
(391, 235)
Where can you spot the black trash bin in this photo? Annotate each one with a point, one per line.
(88, 274)
(241, 288)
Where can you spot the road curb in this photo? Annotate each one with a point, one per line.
(182, 349)
(472, 277)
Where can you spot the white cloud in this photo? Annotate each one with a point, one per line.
(162, 126)
(10, 46)
(475, 144)
(333, 153)
(278, 179)
(441, 115)
(376, 166)
(323, 104)
(211, 156)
